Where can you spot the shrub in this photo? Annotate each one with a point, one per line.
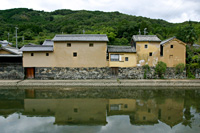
(160, 69)
(146, 69)
(179, 68)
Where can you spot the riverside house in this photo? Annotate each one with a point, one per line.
(74, 50)
(83, 51)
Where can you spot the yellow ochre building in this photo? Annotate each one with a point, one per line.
(92, 51)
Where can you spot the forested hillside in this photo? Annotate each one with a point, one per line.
(36, 26)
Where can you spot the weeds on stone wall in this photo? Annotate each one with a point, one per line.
(146, 69)
(180, 68)
(160, 69)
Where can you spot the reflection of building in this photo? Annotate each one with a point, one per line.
(121, 106)
(69, 111)
(171, 111)
(8, 107)
(146, 113)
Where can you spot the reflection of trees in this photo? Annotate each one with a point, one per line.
(188, 100)
(188, 117)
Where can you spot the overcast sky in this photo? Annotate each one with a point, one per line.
(170, 10)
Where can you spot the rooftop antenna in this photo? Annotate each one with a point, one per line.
(83, 31)
(145, 31)
(139, 32)
(16, 36)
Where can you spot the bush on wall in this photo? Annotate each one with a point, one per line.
(160, 69)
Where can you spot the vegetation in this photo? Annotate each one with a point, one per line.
(36, 26)
(192, 61)
(179, 68)
(160, 69)
(146, 69)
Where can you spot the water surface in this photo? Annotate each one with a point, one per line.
(91, 110)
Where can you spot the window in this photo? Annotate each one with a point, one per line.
(144, 118)
(149, 110)
(172, 46)
(115, 107)
(161, 50)
(114, 57)
(150, 54)
(68, 44)
(91, 45)
(75, 54)
(32, 54)
(126, 106)
(75, 110)
(145, 46)
(126, 58)
(47, 54)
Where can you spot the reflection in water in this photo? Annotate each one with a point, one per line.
(154, 107)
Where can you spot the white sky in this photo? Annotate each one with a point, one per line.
(170, 10)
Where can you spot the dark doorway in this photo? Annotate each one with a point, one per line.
(114, 71)
(30, 72)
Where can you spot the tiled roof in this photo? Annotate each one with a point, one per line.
(81, 37)
(5, 43)
(141, 38)
(121, 49)
(37, 48)
(48, 42)
(14, 52)
(167, 40)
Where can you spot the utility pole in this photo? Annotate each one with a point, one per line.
(8, 36)
(16, 36)
(145, 31)
(23, 39)
(139, 32)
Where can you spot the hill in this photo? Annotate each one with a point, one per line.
(36, 26)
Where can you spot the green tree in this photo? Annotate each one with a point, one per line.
(187, 34)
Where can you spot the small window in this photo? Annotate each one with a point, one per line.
(169, 118)
(145, 46)
(33, 110)
(75, 110)
(75, 54)
(68, 44)
(150, 54)
(149, 110)
(47, 54)
(91, 44)
(48, 110)
(126, 58)
(144, 118)
(32, 54)
(126, 106)
(172, 46)
(114, 57)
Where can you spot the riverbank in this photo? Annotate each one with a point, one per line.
(100, 83)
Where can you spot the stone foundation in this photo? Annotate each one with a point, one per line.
(11, 71)
(197, 75)
(102, 73)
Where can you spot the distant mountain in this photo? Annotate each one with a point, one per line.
(36, 26)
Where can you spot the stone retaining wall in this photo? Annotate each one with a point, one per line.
(11, 71)
(102, 73)
(197, 75)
